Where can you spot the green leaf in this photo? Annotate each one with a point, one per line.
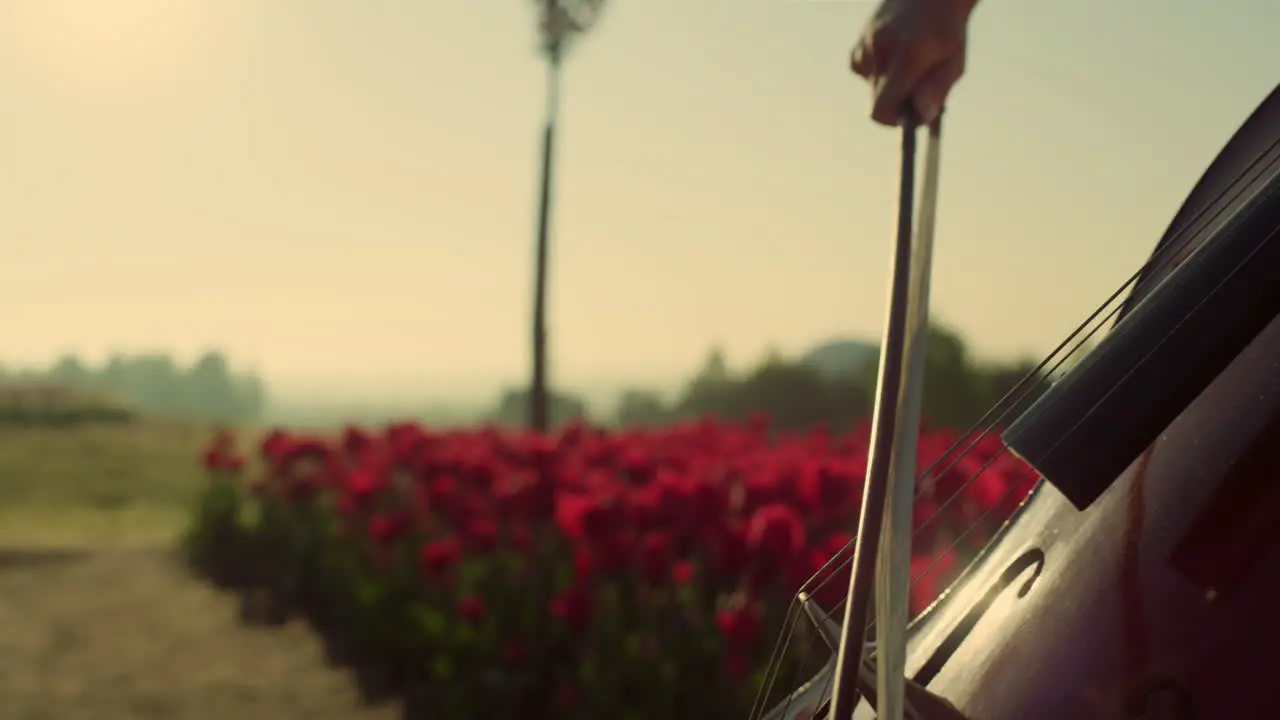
(428, 620)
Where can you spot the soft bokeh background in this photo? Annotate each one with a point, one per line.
(341, 194)
(325, 208)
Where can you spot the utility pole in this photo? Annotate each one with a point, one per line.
(560, 22)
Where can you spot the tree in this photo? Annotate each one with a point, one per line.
(155, 383)
(793, 395)
(513, 409)
(71, 371)
(712, 391)
(955, 392)
(641, 408)
(958, 390)
(211, 388)
(797, 397)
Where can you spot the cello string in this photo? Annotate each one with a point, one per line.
(1026, 475)
(1030, 471)
(960, 538)
(774, 668)
(933, 473)
(1146, 356)
(969, 481)
(1167, 259)
(829, 614)
(982, 517)
(780, 647)
(1181, 239)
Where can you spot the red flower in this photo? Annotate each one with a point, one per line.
(443, 491)
(682, 573)
(655, 557)
(521, 538)
(721, 510)
(730, 551)
(827, 487)
(776, 533)
(586, 518)
(471, 608)
(480, 534)
(440, 557)
(740, 627)
(220, 454)
(212, 460)
(274, 443)
(584, 566)
(355, 441)
(301, 491)
(514, 653)
(362, 486)
(389, 527)
(573, 607)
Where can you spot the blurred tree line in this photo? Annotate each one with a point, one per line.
(562, 408)
(804, 392)
(156, 384)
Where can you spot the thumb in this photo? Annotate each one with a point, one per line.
(862, 61)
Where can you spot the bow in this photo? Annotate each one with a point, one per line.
(882, 554)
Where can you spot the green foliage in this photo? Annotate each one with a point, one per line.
(217, 533)
(58, 406)
(959, 389)
(792, 395)
(641, 408)
(513, 409)
(156, 384)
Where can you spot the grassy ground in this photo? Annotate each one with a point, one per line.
(98, 618)
(104, 485)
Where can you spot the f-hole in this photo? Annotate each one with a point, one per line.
(1033, 558)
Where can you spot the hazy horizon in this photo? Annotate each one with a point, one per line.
(341, 195)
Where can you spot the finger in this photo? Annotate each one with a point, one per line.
(868, 55)
(863, 61)
(904, 73)
(930, 96)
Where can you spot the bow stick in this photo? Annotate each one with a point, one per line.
(889, 488)
(893, 572)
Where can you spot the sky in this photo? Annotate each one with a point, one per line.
(341, 193)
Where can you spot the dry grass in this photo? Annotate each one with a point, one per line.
(110, 625)
(129, 636)
(108, 485)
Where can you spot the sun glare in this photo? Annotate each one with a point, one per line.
(113, 46)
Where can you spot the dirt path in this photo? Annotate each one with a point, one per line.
(128, 635)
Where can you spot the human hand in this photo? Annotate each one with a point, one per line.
(913, 50)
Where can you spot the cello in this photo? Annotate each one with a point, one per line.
(1141, 577)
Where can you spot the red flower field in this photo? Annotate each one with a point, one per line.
(587, 572)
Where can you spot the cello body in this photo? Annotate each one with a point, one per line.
(1152, 591)
(1161, 597)
(1104, 617)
